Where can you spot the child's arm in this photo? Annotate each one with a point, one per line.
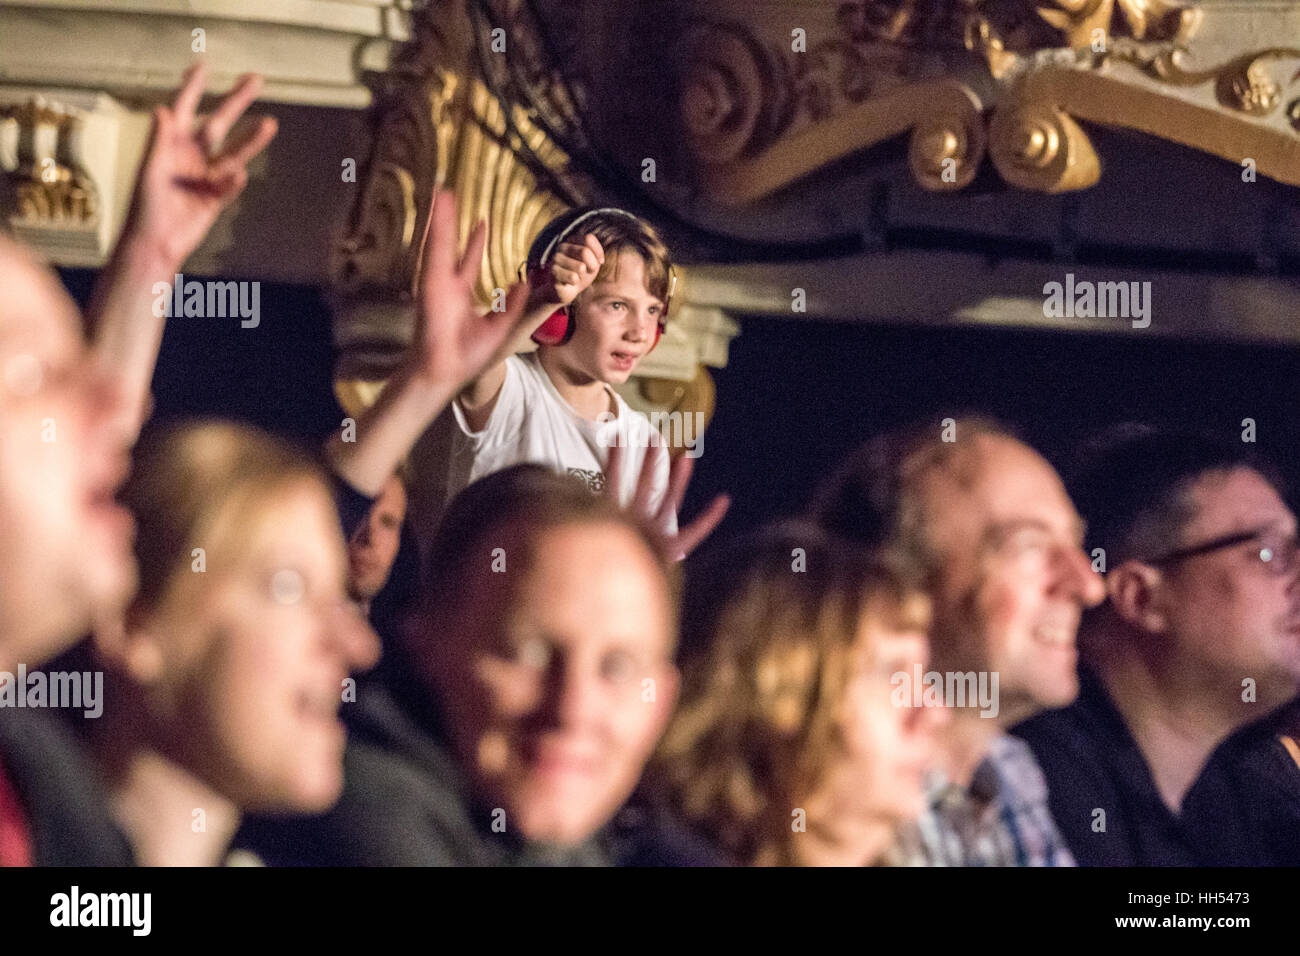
(452, 343)
(572, 271)
(182, 188)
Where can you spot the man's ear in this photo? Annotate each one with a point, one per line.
(129, 645)
(1136, 593)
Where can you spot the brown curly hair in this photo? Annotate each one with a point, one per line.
(765, 658)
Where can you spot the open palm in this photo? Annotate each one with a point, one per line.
(454, 340)
(191, 173)
(676, 545)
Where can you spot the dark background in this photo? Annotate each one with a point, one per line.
(796, 396)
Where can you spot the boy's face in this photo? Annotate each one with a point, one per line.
(616, 320)
(556, 677)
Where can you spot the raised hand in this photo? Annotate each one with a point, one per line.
(571, 272)
(191, 172)
(676, 544)
(454, 339)
(189, 175)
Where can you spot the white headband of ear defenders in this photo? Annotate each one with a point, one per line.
(551, 246)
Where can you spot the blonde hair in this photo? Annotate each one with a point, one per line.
(766, 657)
(187, 479)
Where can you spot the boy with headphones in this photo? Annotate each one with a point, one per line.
(601, 285)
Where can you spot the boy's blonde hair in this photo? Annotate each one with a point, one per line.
(618, 233)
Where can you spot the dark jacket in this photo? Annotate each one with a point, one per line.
(1243, 809)
(406, 803)
(66, 806)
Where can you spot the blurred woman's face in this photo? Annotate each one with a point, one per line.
(886, 748)
(254, 652)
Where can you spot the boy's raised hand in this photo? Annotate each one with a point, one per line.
(681, 543)
(573, 269)
(191, 171)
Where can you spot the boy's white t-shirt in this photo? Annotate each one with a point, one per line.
(531, 422)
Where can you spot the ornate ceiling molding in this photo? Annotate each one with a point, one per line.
(769, 96)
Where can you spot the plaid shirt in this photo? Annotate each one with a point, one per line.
(1000, 819)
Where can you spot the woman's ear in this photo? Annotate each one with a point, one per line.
(1137, 594)
(129, 645)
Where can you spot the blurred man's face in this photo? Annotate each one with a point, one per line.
(375, 541)
(1013, 577)
(556, 678)
(65, 545)
(1231, 613)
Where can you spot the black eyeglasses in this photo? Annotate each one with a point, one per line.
(1277, 553)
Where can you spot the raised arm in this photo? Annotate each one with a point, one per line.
(453, 342)
(573, 270)
(190, 174)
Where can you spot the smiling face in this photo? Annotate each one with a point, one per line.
(1230, 613)
(615, 322)
(1012, 577)
(554, 705)
(65, 547)
(243, 664)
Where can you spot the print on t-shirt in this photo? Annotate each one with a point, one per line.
(594, 480)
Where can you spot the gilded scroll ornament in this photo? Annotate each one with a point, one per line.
(49, 184)
(1110, 62)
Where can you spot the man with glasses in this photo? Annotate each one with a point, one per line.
(1176, 751)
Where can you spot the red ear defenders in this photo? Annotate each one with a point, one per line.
(559, 328)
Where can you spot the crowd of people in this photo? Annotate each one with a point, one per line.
(946, 659)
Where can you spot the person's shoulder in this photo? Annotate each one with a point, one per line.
(62, 791)
(641, 836)
(403, 802)
(527, 369)
(1015, 762)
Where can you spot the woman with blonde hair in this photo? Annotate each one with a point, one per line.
(228, 671)
(787, 747)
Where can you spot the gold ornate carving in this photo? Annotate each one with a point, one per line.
(757, 118)
(49, 185)
(947, 146)
(447, 133)
(1038, 147)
